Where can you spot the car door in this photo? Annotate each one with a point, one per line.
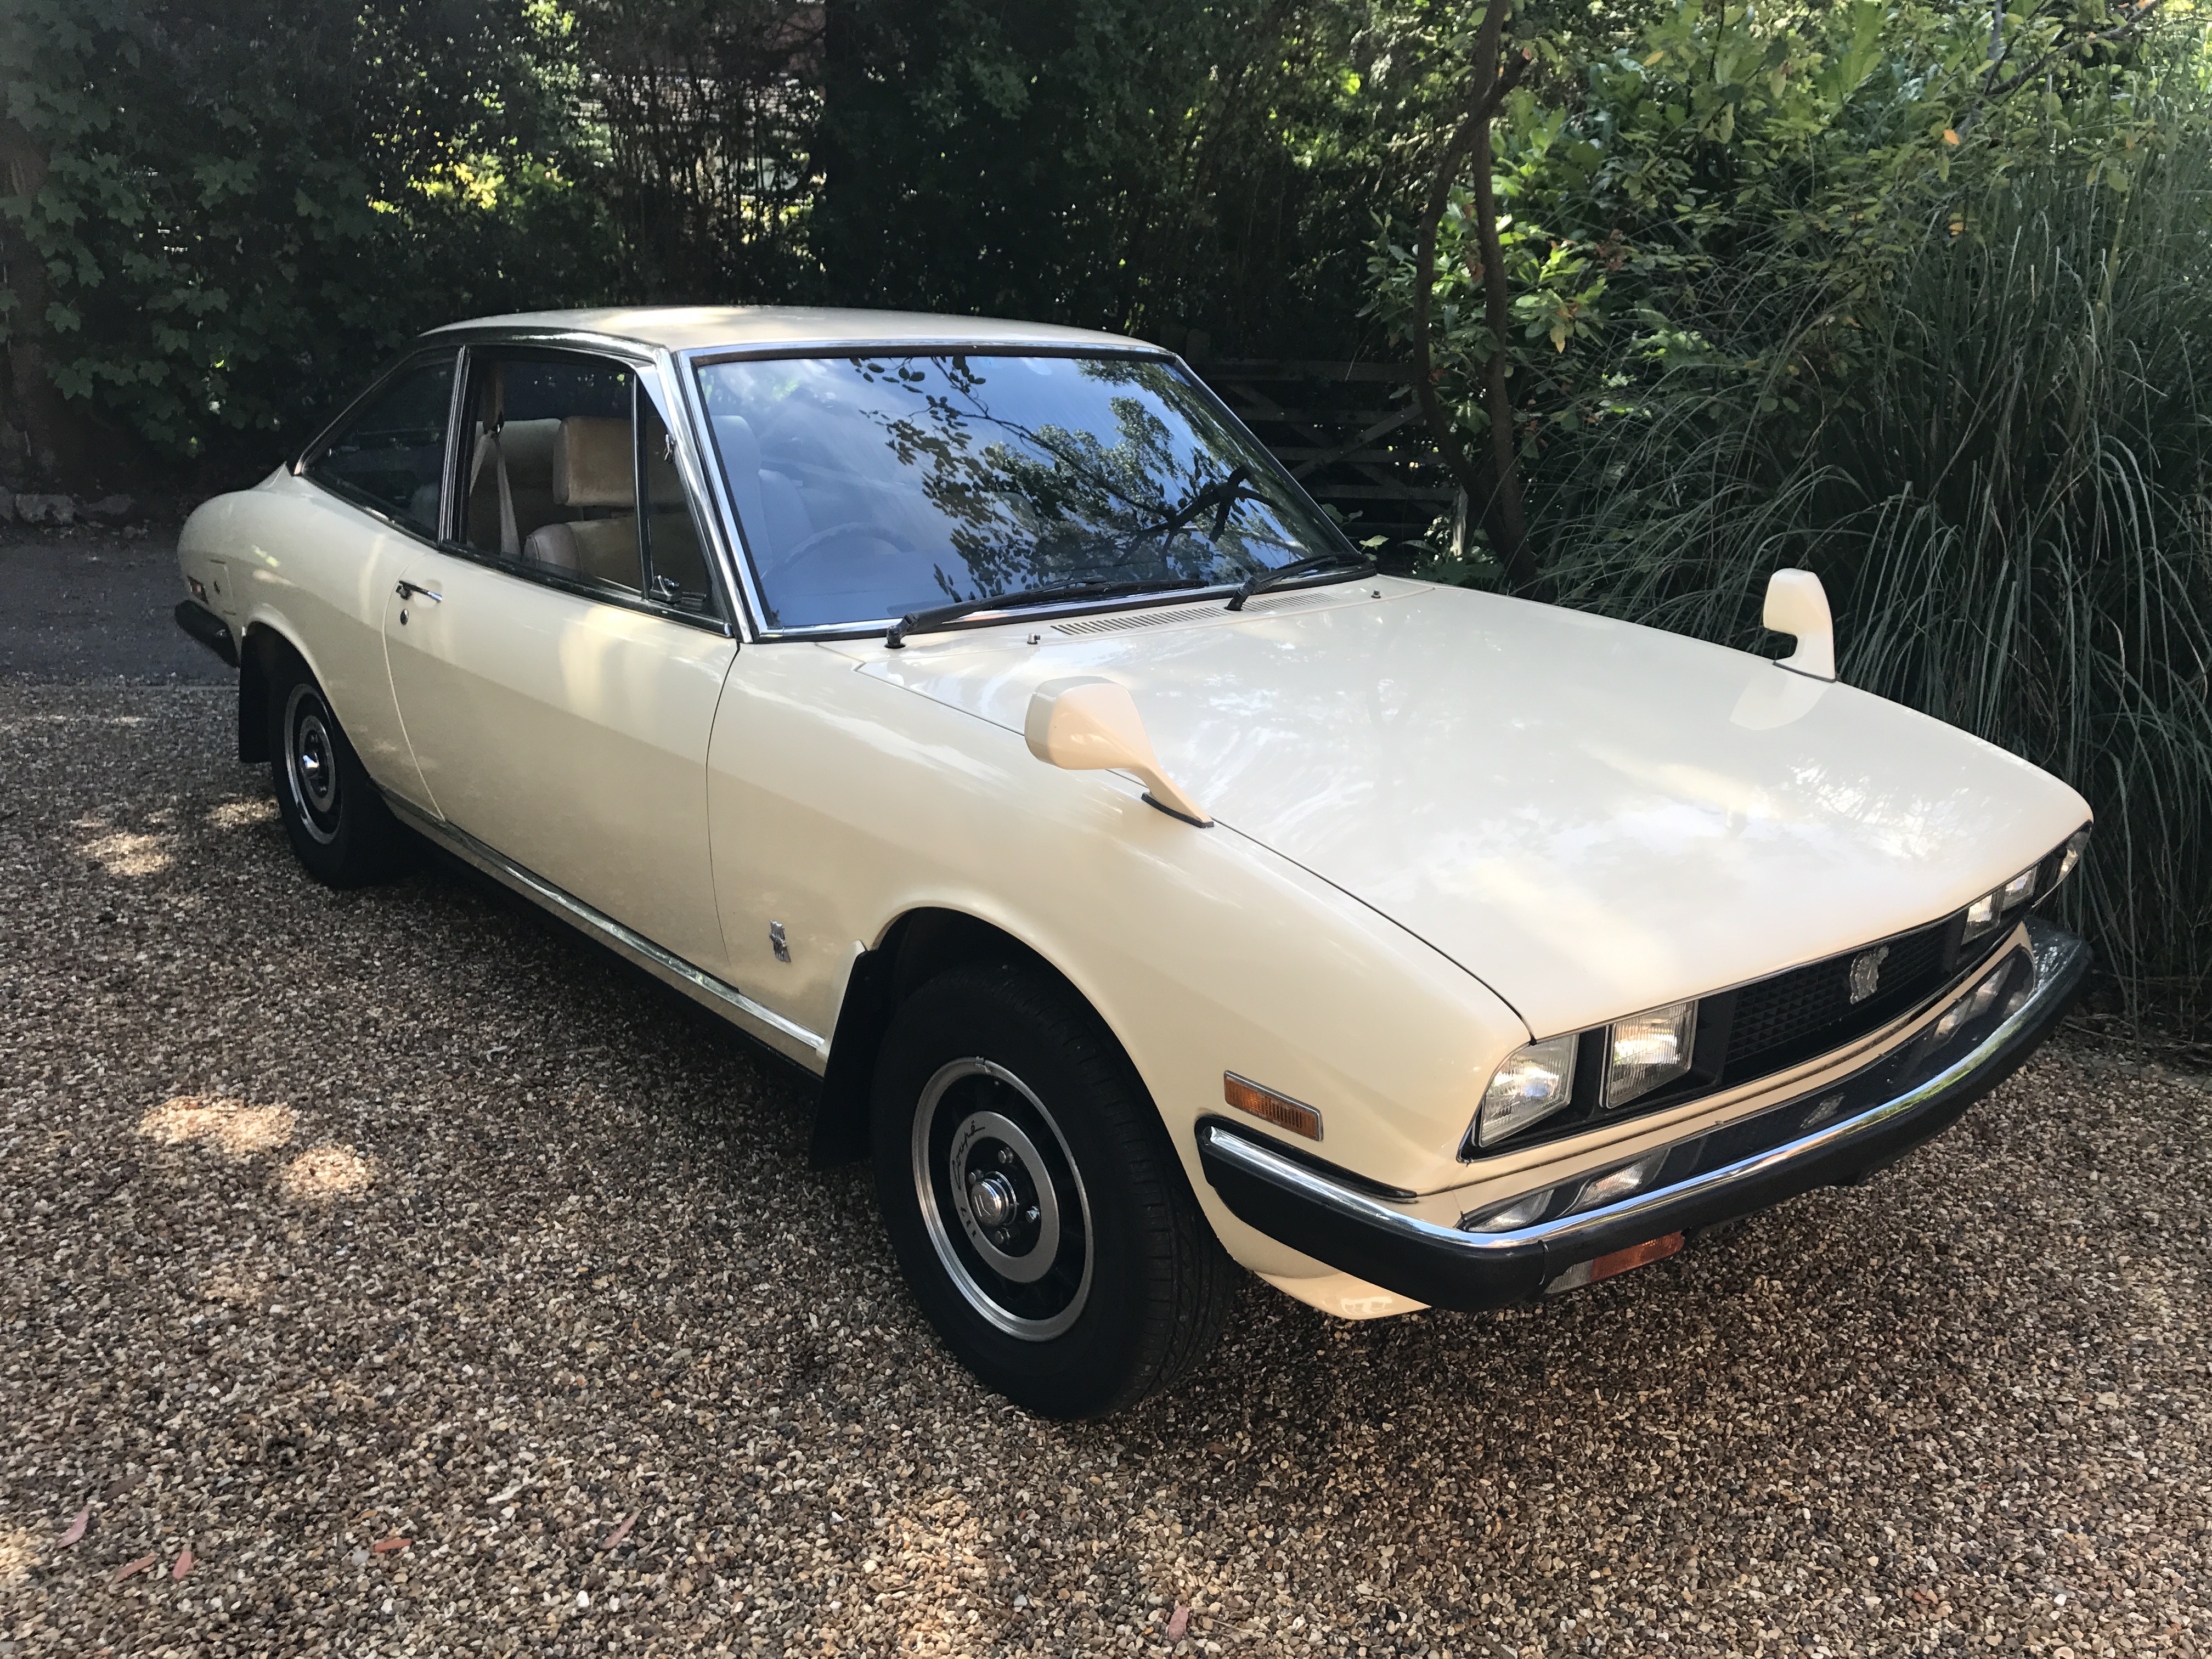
(372, 514)
(558, 683)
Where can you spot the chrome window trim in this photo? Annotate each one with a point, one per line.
(704, 463)
(621, 598)
(647, 370)
(706, 357)
(417, 351)
(411, 359)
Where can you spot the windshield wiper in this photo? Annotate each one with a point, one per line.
(1260, 580)
(922, 622)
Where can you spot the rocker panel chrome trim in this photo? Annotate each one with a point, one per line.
(666, 966)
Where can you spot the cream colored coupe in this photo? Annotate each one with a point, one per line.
(978, 716)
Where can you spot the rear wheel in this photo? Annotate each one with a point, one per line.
(1033, 1198)
(333, 813)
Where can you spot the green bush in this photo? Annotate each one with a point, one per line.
(1821, 291)
(241, 211)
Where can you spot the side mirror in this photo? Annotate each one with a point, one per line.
(1797, 604)
(1089, 725)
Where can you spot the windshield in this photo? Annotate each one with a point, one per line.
(871, 487)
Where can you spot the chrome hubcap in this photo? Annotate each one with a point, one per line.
(1001, 1199)
(311, 769)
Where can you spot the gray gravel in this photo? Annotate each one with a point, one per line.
(334, 1220)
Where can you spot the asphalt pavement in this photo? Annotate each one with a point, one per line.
(92, 606)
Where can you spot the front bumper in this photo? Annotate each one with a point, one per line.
(1834, 1135)
(210, 630)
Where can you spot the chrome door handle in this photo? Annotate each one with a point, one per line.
(413, 591)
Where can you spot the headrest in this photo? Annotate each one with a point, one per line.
(528, 447)
(591, 463)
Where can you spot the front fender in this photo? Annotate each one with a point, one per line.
(840, 804)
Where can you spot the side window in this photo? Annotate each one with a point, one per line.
(675, 553)
(551, 473)
(391, 455)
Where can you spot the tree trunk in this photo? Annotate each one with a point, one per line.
(1509, 523)
(1497, 495)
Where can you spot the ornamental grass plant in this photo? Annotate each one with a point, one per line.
(2000, 464)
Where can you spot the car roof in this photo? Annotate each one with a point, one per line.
(687, 328)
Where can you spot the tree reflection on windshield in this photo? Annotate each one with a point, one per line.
(869, 487)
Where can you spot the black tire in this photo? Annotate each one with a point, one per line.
(1116, 1288)
(333, 812)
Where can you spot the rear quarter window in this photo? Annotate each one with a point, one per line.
(390, 454)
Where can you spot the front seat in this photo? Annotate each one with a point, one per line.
(592, 471)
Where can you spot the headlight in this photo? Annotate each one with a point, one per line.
(2075, 845)
(1535, 1081)
(1650, 1050)
(1994, 906)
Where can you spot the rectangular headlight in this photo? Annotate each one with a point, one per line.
(2077, 844)
(1981, 916)
(1650, 1050)
(1536, 1080)
(1994, 906)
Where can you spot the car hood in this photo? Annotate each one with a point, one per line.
(1592, 817)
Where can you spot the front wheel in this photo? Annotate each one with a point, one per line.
(1034, 1201)
(333, 814)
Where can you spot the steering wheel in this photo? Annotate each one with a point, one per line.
(851, 527)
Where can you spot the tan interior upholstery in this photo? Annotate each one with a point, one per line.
(528, 445)
(589, 467)
(602, 548)
(592, 465)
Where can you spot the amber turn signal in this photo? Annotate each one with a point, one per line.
(1280, 1110)
(1635, 1255)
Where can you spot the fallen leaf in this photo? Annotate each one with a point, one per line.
(77, 1527)
(621, 1531)
(388, 1545)
(128, 1568)
(184, 1564)
(1178, 1623)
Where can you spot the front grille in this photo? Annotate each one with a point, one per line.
(1807, 1010)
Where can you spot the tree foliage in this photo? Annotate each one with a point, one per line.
(233, 212)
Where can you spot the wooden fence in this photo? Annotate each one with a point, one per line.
(1352, 434)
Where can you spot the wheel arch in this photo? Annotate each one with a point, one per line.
(918, 945)
(262, 649)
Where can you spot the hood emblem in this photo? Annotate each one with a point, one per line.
(1866, 973)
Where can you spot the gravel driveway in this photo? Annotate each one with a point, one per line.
(441, 1286)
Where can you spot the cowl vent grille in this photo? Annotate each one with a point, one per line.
(1130, 622)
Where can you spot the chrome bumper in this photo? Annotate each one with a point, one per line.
(1835, 1136)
